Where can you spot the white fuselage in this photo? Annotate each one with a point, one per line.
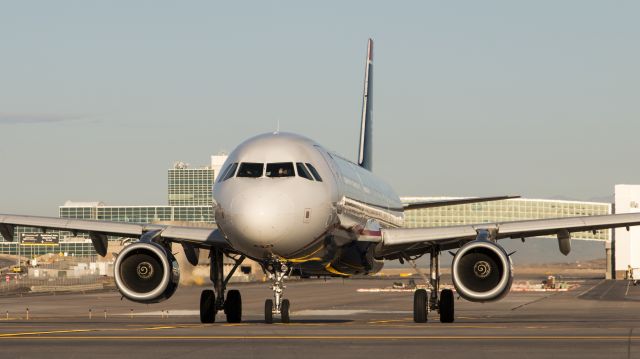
(298, 216)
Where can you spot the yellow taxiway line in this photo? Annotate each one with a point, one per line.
(9, 335)
(31, 336)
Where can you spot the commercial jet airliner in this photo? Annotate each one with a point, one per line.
(297, 208)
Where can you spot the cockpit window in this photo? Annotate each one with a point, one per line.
(229, 172)
(303, 171)
(249, 169)
(220, 175)
(315, 173)
(280, 169)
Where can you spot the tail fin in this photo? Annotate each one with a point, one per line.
(366, 127)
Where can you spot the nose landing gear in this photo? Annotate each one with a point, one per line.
(278, 271)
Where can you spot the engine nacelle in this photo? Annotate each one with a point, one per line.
(481, 271)
(145, 272)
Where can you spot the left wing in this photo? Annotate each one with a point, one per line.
(99, 230)
(397, 242)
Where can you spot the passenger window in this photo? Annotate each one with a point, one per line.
(231, 170)
(315, 173)
(281, 169)
(249, 169)
(303, 171)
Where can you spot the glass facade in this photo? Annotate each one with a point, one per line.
(72, 246)
(81, 245)
(507, 210)
(140, 214)
(77, 246)
(190, 187)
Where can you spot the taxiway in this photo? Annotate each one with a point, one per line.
(329, 319)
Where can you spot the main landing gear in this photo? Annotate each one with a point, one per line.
(424, 303)
(209, 303)
(278, 271)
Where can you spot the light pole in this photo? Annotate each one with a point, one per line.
(18, 241)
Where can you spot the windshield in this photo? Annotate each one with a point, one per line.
(249, 169)
(315, 173)
(280, 169)
(230, 171)
(303, 171)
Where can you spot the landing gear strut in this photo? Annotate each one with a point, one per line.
(278, 271)
(423, 303)
(210, 303)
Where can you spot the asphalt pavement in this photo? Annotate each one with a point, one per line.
(599, 319)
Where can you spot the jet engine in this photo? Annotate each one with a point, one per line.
(146, 272)
(482, 271)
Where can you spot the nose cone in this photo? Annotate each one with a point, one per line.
(260, 218)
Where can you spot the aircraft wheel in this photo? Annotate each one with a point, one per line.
(233, 306)
(446, 306)
(284, 311)
(268, 311)
(420, 301)
(207, 306)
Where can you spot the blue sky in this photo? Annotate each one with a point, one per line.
(98, 99)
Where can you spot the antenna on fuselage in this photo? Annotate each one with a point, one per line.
(366, 126)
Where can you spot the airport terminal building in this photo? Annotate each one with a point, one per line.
(189, 201)
(507, 210)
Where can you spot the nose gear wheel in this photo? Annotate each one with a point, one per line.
(268, 311)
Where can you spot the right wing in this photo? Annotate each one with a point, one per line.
(99, 230)
(453, 202)
(397, 242)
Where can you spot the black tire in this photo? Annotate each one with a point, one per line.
(447, 311)
(420, 301)
(233, 306)
(284, 311)
(268, 311)
(207, 306)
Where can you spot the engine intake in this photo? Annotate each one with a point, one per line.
(482, 271)
(145, 272)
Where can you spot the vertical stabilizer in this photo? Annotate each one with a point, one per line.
(366, 126)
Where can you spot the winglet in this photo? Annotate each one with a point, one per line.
(366, 126)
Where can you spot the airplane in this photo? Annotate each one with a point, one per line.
(298, 209)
